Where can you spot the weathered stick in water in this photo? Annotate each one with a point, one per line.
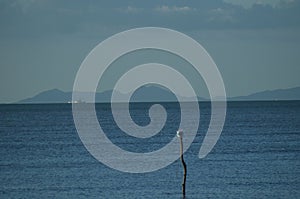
(180, 134)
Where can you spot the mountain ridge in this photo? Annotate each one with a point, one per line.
(155, 94)
(277, 94)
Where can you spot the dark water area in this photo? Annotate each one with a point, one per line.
(257, 155)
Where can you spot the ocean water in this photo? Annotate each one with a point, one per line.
(257, 155)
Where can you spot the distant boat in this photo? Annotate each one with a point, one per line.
(76, 102)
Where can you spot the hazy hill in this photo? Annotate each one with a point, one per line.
(279, 94)
(49, 96)
(143, 94)
(155, 93)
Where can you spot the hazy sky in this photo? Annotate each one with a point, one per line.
(255, 43)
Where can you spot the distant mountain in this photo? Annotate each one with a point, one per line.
(149, 93)
(279, 94)
(154, 93)
(50, 96)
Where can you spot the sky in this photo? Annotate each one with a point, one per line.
(255, 43)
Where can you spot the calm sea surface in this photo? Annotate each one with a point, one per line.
(257, 155)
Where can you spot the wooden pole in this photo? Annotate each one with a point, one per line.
(179, 134)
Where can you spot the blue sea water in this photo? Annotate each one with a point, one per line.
(257, 155)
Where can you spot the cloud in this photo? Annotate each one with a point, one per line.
(42, 18)
(24, 5)
(168, 9)
(250, 3)
(221, 15)
(130, 9)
